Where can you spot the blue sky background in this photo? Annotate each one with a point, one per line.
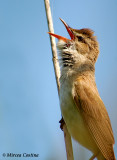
(29, 105)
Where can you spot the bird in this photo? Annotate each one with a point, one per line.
(82, 108)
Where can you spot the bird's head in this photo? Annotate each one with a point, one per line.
(82, 46)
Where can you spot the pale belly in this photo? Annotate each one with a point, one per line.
(74, 120)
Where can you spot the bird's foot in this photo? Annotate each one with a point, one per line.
(62, 122)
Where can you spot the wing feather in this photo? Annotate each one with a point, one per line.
(96, 117)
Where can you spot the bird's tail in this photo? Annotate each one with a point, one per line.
(101, 157)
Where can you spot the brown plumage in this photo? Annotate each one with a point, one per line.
(82, 108)
(86, 31)
(94, 113)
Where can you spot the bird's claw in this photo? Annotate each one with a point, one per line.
(62, 122)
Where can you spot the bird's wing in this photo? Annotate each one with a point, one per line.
(96, 118)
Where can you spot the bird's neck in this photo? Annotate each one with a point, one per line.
(73, 63)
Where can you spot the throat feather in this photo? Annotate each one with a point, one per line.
(67, 59)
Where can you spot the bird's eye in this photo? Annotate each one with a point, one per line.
(80, 38)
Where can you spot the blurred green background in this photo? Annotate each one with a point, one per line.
(29, 104)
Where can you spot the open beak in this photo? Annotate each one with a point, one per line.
(69, 30)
